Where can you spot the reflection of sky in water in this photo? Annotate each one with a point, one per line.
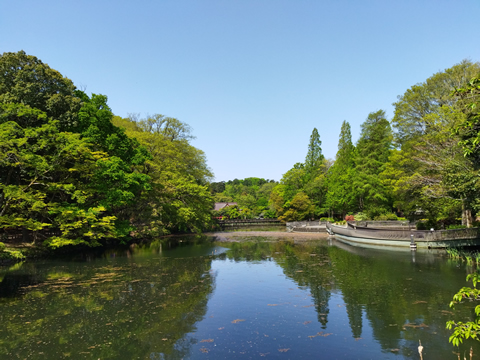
(290, 301)
(276, 315)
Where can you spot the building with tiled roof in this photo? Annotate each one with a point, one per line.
(221, 205)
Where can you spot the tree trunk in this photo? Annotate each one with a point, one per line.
(466, 215)
(26, 236)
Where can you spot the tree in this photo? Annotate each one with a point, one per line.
(423, 170)
(469, 129)
(412, 108)
(45, 181)
(341, 176)
(67, 167)
(26, 80)
(180, 199)
(314, 158)
(300, 208)
(373, 150)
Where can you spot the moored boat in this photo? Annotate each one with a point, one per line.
(404, 237)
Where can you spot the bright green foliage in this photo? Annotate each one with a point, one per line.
(469, 129)
(316, 188)
(372, 153)
(251, 194)
(341, 191)
(314, 158)
(412, 108)
(234, 212)
(277, 199)
(95, 124)
(80, 226)
(294, 181)
(299, 208)
(43, 172)
(307, 180)
(67, 174)
(180, 199)
(470, 329)
(428, 171)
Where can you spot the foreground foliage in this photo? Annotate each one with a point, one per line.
(470, 329)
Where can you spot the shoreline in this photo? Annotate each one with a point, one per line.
(231, 236)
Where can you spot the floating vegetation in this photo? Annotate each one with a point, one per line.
(321, 333)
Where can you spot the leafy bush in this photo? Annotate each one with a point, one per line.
(327, 219)
(2, 247)
(361, 216)
(269, 214)
(8, 254)
(387, 217)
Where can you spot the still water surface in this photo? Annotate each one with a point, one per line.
(204, 300)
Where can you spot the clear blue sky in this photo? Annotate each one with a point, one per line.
(251, 77)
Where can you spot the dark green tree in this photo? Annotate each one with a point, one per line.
(24, 79)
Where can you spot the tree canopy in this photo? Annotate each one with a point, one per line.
(71, 173)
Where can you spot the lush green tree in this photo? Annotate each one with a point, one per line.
(424, 171)
(314, 158)
(307, 178)
(180, 199)
(58, 175)
(372, 152)
(469, 130)
(250, 193)
(341, 176)
(299, 208)
(413, 107)
(45, 181)
(26, 80)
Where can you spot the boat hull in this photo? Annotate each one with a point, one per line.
(381, 238)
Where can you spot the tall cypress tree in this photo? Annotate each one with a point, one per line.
(340, 196)
(314, 158)
(373, 150)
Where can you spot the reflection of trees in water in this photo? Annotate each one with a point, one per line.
(354, 312)
(398, 298)
(403, 301)
(121, 309)
(309, 265)
(306, 264)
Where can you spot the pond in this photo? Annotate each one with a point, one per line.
(191, 298)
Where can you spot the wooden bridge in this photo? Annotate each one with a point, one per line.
(233, 223)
